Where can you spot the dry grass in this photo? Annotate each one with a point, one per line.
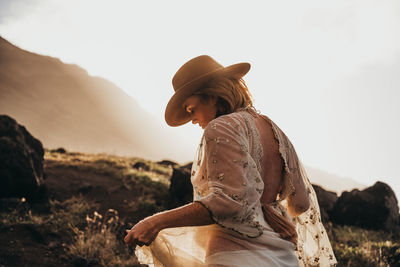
(98, 242)
(355, 246)
(69, 214)
(63, 216)
(21, 214)
(114, 166)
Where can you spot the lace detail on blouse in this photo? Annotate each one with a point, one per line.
(257, 150)
(290, 167)
(314, 248)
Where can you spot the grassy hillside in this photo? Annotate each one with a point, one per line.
(93, 198)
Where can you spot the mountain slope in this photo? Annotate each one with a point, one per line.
(63, 106)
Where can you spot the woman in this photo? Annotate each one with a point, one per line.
(253, 203)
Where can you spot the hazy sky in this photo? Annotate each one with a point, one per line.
(327, 72)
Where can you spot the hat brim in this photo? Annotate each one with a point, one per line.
(175, 115)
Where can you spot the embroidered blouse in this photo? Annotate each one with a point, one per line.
(226, 180)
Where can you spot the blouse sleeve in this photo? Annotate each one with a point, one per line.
(234, 185)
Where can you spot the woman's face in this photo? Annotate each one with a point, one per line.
(201, 113)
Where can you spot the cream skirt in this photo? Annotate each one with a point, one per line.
(190, 247)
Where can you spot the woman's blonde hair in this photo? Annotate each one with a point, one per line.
(231, 93)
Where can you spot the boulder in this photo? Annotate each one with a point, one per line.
(181, 189)
(21, 162)
(59, 150)
(141, 166)
(376, 208)
(167, 163)
(326, 201)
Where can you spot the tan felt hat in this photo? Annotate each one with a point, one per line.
(190, 77)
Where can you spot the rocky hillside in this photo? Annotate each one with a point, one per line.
(64, 106)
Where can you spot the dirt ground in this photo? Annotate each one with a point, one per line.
(34, 245)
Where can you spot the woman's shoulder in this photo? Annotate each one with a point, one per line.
(234, 124)
(233, 118)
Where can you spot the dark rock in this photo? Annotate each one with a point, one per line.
(181, 189)
(21, 162)
(141, 166)
(167, 163)
(60, 150)
(373, 208)
(326, 201)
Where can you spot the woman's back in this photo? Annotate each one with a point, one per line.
(272, 165)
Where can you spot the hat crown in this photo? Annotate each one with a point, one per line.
(194, 69)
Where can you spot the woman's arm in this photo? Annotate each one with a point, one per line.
(145, 231)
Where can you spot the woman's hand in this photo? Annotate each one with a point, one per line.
(143, 233)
